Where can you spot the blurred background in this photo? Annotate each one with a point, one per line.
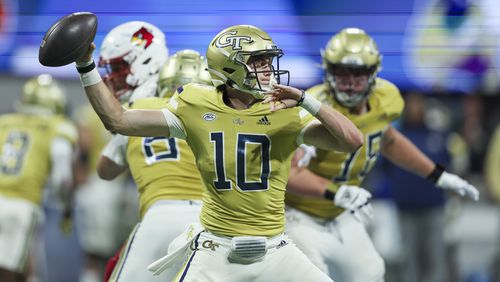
(444, 55)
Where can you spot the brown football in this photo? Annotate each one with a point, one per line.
(68, 39)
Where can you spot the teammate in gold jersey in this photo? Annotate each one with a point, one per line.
(330, 235)
(36, 145)
(132, 55)
(164, 169)
(243, 133)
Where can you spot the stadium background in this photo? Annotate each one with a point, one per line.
(447, 49)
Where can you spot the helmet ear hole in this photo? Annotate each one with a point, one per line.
(229, 70)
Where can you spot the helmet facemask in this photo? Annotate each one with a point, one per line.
(257, 63)
(350, 84)
(117, 70)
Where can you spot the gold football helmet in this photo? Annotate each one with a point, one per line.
(182, 68)
(42, 95)
(228, 58)
(354, 52)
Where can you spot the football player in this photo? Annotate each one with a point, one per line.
(132, 55)
(324, 200)
(36, 145)
(243, 132)
(169, 184)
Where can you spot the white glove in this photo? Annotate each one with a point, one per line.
(356, 200)
(462, 187)
(309, 153)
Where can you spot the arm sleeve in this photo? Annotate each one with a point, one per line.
(174, 124)
(116, 149)
(61, 152)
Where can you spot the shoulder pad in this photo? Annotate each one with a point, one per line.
(390, 98)
(65, 128)
(320, 92)
(149, 103)
(195, 92)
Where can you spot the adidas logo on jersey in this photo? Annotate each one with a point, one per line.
(264, 121)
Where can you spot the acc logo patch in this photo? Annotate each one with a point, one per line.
(230, 39)
(209, 116)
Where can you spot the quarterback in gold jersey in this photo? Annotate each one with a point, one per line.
(36, 145)
(164, 169)
(243, 133)
(326, 207)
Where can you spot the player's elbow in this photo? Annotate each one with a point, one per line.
(104, 175)
(116, 123)
(115, 127)
(350, 144)
(105, 169)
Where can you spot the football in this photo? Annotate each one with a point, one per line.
(68, 39)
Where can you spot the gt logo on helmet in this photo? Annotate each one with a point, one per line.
(226, 40)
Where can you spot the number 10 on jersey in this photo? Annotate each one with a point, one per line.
(222, 183)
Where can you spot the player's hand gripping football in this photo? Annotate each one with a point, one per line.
(282, 97)
(455, 183)
(356, 200)
(87, 57)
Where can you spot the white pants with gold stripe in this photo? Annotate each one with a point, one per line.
(208, 261)
(19, 220)
(340, 247)
(149, 240)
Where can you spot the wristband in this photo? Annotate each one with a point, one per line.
(84, 68)
(330, 191)
(90, 78)
(301, 100)
(436, 173)
(329, 195)
(310, 104)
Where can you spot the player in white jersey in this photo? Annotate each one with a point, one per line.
(36, 145)
(169, 184)
(326, 206)
(243, 133)
(132, 55)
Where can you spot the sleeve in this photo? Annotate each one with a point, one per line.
(175, 124)
(66, 130)
(61, 152)
(306, 120)
(116, 149)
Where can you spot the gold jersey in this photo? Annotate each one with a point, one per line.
(163, 168)
(385, 104)
(25, 152)
(86, 116)
(243, 156)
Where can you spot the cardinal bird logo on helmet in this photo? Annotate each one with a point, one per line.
(142, 36)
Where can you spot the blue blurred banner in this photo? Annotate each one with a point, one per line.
(429, 44)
